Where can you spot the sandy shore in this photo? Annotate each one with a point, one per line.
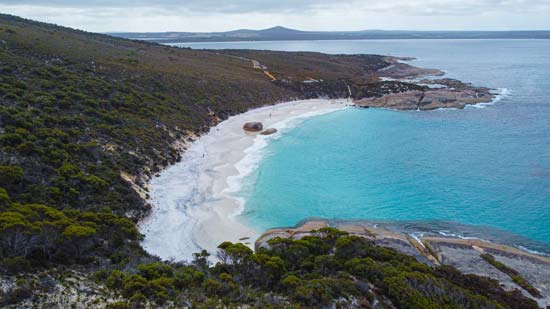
(194, 206)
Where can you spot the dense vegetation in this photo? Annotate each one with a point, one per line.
(326, 268)
(85, 119)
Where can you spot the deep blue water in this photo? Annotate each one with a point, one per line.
(488, 167)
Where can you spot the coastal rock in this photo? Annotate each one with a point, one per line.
(399, 70)
(253, 126)
(429, 99)
(407, 100)
(268, 131)
(447, 98)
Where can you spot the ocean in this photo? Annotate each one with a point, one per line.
(479, 172)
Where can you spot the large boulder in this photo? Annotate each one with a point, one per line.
(268, 131)
(253, 126)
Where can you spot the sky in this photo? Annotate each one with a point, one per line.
(219, 15)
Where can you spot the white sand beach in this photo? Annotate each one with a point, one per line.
(194, 206)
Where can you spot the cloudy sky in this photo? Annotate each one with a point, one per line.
(219, 15)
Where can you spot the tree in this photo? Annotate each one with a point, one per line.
(17, 234)
(201, 259)
(78, 236)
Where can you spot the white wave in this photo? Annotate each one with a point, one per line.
(448, 234)
(532, 251)
(500, 94)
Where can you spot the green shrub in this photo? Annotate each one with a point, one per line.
(213, 287)
(155, 270)
(16, 265)
(133, 284)
(185, 277)
(118, 305)
(4, 198)
(10, 175)
(291, 282)
(115, 279)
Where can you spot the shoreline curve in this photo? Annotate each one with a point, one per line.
(194, 206)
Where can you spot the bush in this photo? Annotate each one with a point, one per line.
(118, 305)
(212, 287)
(4, 198)
(133, 284)
(10, 175)
(186, 277)
(16, 265)
(155, 270)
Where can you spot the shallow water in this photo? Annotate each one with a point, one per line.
(487, 167)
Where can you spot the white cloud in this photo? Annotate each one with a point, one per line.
(214, 15)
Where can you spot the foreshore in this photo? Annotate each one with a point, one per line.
(194, 206)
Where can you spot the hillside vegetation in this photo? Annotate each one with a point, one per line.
(86, 118)
(80, 110)
(327, 269)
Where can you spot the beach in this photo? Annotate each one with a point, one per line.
(194, 202)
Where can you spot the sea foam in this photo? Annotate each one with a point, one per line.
(499, 93)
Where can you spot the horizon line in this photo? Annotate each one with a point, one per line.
(298, 30)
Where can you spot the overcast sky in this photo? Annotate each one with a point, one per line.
(214, 15)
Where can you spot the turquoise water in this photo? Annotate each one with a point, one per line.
(486, 168)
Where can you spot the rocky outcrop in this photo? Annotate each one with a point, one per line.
(253, 126)
(268, 131)
(447, 98)
(407, 100)
(399, 70)
(439, 93)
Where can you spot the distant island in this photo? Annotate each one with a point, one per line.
(286, 34)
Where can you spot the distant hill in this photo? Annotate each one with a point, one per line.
(285, 34)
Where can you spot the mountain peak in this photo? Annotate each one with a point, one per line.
(279, 29)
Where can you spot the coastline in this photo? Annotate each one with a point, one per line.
(193, 203)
